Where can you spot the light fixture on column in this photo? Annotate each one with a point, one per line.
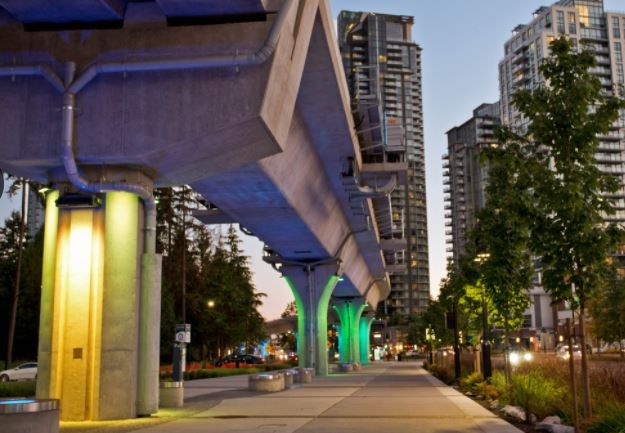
(79, 201)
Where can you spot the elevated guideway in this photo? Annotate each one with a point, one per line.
(244, 100)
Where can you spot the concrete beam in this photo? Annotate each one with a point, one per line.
(224, 118)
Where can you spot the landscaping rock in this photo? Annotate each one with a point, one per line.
(554, 428)
(514, 412)
(548, 423)
(533, 418)
(494, 405)
(552, 420)
(559, 428)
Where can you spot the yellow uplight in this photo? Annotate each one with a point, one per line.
(77, 318)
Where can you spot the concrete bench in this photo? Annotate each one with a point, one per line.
(289, 376)
(266, 382)
(345, 367)
(29, 415)
(304, 375)
(171, 394)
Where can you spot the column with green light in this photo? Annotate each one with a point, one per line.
(349, 311)
(364, 331)
(312, 288)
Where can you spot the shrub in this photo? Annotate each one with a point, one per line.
(611, 419)
(471, 382)
(273, 367)
(498, 381)
(487, 390)
(18, 389)
(212, 372)
(535, 393)
(442, 372)
(609, 379)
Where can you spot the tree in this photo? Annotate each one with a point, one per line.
(571, 195)
(19, 246)
(208, 267)
(503, 234)
(606, 309)
(27, 310)
(290, 310)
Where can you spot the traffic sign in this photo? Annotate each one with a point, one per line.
(183, 333)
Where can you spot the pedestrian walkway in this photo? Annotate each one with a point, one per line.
(389, 397)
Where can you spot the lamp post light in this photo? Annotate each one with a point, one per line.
(430, 337)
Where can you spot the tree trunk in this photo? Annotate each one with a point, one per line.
(18, 277)
(585, 372)
(572, 378)
(506, 354)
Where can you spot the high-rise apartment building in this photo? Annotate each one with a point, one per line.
(35, 214)
(464, 174)
(584, 22)
(383, 69)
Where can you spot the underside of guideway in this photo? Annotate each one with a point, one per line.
(247, 103)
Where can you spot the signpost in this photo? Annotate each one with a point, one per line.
(182, 337)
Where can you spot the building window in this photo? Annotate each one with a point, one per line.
(527, 321)
(572, 27)
(616, 27)
(618, 53)
(560, 20)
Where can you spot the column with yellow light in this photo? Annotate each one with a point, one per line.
(93, 309)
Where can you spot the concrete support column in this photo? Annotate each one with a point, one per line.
(365, 332)
(100, 315)
(349, 312)
(312, 288)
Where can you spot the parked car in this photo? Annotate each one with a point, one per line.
(243, 361)
(26, 371)
(563, 352)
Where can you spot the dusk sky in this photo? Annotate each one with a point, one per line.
(462, 42)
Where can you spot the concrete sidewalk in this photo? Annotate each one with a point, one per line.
(382, 397)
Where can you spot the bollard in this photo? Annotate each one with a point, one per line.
(171, 394)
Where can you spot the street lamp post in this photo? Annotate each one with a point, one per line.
(429, 337)
(457, 340)
(488, 371)
(486, 364)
